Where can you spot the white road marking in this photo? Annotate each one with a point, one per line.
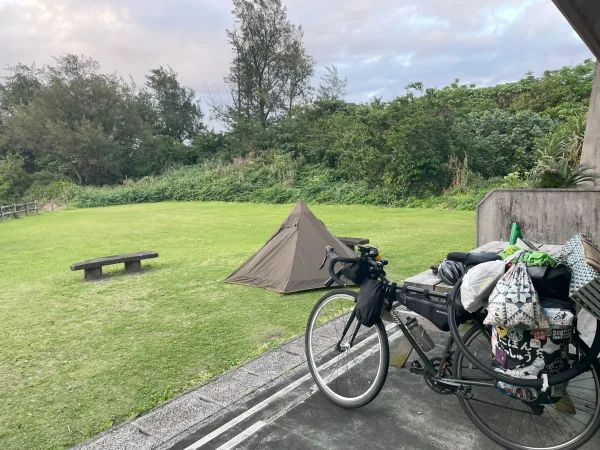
(260, 424)
(233, 422)
(242, 436)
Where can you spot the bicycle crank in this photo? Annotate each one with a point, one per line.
(437, 384)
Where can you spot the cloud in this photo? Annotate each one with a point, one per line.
(436, 41)
(380, 45)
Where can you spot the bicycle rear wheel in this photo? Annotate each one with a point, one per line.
(349, 374)
(577, 368)
(520, 425)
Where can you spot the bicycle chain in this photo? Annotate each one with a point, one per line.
(506, 407)
(438, 388)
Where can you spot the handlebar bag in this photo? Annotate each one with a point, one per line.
(370, 302)
(356, 272)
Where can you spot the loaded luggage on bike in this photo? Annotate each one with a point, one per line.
(521, 371)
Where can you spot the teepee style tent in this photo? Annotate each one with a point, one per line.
(290, 260)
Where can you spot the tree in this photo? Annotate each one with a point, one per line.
(332, 87)
(18, 88)
(81, 121)
(175, 111)
(13, 179)
(270, 70)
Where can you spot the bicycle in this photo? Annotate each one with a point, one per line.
(349, 364)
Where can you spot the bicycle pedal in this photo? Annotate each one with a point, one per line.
(416, 367)
(465, 392)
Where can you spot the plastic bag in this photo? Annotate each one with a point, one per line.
(479, 282)
(514, 302)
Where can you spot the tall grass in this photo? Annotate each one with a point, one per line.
(250, 182)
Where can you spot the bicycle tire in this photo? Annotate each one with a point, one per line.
(574, 443)
(577, 369)
(384, 357)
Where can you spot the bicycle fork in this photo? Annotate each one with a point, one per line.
(339, 346)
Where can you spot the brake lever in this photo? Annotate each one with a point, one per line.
(324, 260)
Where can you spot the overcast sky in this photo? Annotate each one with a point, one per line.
(379, 45)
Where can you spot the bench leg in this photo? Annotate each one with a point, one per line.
(133, 266)
(93, 274)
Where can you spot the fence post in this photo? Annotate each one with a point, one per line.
(14, 210)
(26, 208)
(37, 209)
(1, 212)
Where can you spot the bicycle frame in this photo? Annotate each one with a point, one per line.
(429, 367)
(437, 374)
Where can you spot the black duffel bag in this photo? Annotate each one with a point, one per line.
(551, 282)
(370, 302)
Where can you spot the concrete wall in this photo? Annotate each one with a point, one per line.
(545, 216)
(590, 154)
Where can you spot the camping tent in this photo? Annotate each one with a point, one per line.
(290, 260)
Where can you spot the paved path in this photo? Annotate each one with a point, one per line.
(405, 415)
(272, 403)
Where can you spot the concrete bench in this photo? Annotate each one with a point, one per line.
(93, 267)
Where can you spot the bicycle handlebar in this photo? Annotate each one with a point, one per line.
(333, 260)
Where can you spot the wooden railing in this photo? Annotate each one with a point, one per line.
(16, 209)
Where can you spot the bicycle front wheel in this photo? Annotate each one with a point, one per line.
(521, 425)
(349, 368)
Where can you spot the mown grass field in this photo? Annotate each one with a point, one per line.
(77, 357)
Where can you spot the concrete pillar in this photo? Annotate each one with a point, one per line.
(590, 154)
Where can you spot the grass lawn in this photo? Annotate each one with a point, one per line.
(78, 357)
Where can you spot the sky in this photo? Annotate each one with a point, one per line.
(379, 45)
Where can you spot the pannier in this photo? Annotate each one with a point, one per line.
(523, 353)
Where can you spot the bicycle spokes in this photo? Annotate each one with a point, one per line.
(522, 423)
(346, 359)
